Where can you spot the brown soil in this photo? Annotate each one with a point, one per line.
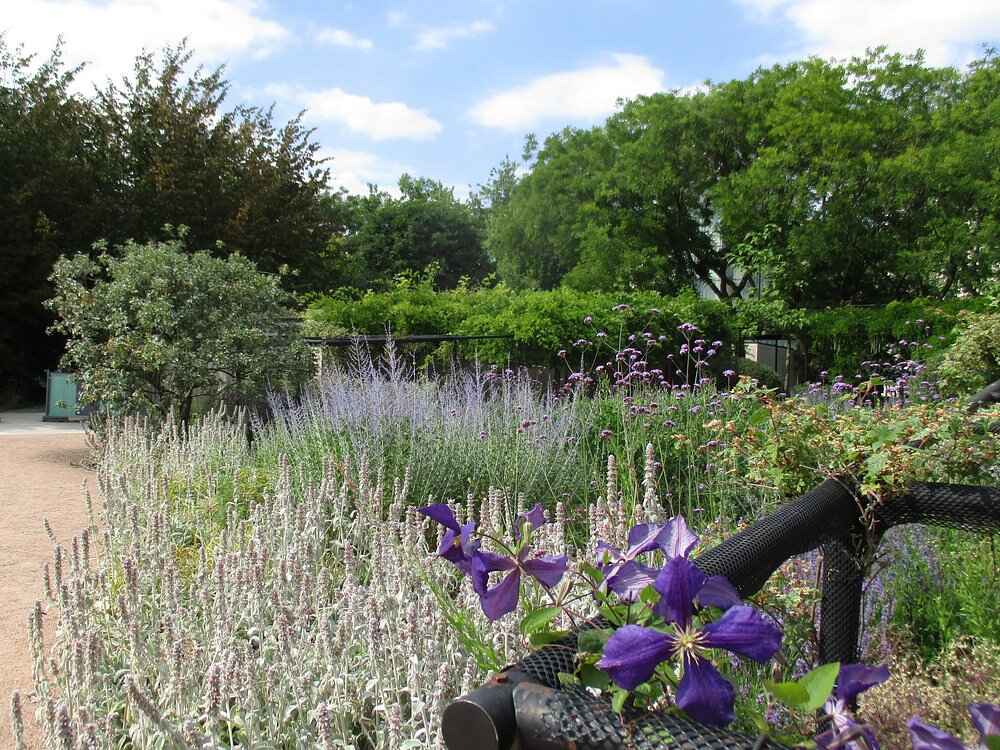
(40, 477)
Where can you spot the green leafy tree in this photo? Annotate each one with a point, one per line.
(48, 183)
(842, 174)
(155, 329)
(173, 155)
(426, 227)
(534, 235)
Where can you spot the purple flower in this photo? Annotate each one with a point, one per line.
(925, 737)
(985, 716)
(627, 577)
(501, 599)
(728, 373)
(633, 653)
(852, 680)
(457, 545)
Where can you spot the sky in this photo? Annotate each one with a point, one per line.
(447, 89)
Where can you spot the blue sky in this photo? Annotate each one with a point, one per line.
(446, 89)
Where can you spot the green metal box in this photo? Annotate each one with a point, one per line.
(61, 392)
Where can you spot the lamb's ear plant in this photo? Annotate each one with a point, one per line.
(304, 620)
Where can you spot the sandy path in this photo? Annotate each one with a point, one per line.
(40, 477)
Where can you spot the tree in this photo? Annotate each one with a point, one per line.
(173, 155)
(48, 183)
(426, 226)
(534, 233)
(843, 175)
(154, 329)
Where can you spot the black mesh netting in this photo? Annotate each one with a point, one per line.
(573, 718)
(829, 516)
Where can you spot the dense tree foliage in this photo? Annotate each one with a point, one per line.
(850, 182)
(860, 181)
(425, 228)
(156, 330)
(154, 149)
(172, 155)
(47, 202)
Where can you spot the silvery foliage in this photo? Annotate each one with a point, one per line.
(311, 622)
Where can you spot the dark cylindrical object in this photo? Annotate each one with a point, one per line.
(526, 701)
(987, 397)
(828, 511)
(840, 607)
(485, 717)
(573, 719)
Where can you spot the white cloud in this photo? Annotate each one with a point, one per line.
(950, 32)
(438, 37)
(583, 94)
(354, 170)
(108, 34)
(342, 38)
(380, 121)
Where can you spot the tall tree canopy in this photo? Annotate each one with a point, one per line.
(859, 181)
(426, 226)
(48, 186)
(154, 149)
(172, 155)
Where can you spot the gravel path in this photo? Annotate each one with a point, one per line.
(40, 477)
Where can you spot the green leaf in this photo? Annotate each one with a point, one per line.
(567, 678)
(545, 637)
(592, 572)
(876, 463)
(792, 694)
(992, 742)
(538, 619)
(819, 684)
(649, 595)
(760, 416)
(593, 677)
(618, 698)
(592, 641)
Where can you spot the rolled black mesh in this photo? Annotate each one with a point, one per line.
(573, 718)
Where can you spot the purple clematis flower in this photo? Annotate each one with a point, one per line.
(548, 570)
(852, 680)
(457, 545)
(633, 653)
(500, 600)
(624, 574)
(985, 716)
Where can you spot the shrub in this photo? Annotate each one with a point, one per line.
(973, 360)
(156, 329)
(940, 692)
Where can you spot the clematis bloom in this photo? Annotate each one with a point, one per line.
(985, 716)
(457, 545)
(633, 652)
(501, 599)
(852, 680)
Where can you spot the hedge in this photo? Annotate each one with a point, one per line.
(540, 323)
